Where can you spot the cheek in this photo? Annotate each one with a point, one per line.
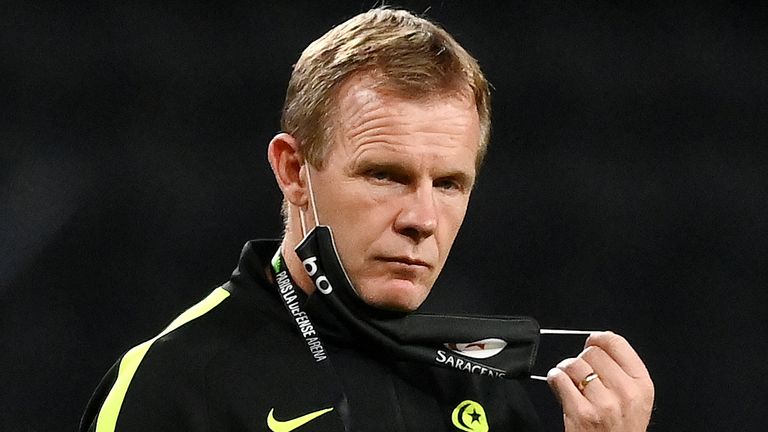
(373, 211)
(360, 222)
(452, 217)
(345, 204)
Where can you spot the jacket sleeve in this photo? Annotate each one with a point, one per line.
(165, 392)
(160, 383)
(88, 421)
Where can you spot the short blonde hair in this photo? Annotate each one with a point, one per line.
(406, 55)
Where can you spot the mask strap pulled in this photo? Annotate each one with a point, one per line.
(562, 332)
(312, 201)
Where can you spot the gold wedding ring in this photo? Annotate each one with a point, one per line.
(587, 379)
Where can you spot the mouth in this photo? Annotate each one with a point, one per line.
(406, 261)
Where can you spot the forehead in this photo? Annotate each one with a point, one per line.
(370, 117)
(363, 89)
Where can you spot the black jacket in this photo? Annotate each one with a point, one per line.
(237, 356)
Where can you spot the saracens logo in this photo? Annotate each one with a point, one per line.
(469, 416)
(481, 349)
(321, 282)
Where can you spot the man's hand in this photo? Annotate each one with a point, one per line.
(619, 398)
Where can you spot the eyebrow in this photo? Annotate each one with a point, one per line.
(401, 168)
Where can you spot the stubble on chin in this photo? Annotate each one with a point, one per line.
(394, 295)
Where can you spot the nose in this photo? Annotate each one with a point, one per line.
(417, 219)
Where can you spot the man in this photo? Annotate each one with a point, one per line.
(386, 122)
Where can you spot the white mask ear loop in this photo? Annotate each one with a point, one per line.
(303, 223)
(311, 200)
(561, 332)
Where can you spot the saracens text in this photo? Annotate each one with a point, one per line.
(465, 365)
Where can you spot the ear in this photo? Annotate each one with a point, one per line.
(286, 161)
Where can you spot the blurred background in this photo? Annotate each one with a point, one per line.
(626, 185)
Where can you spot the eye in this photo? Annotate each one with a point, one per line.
(448, 185)
(379, 175)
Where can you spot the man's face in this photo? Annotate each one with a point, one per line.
(394, 189)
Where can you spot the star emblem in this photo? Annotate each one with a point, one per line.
(475, 416)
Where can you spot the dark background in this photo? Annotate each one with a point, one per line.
(625, 187)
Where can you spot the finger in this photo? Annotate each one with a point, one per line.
(611, 374)
(620, 351)
(567, 393)
(580, 373)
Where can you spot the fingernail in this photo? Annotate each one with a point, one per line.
(565, 363)
(587, 349)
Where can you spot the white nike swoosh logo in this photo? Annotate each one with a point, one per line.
(289, 425)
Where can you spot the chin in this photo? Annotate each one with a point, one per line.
(395, 295)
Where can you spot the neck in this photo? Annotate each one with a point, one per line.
(292, 261)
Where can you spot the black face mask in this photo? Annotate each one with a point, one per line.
(498, 346)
